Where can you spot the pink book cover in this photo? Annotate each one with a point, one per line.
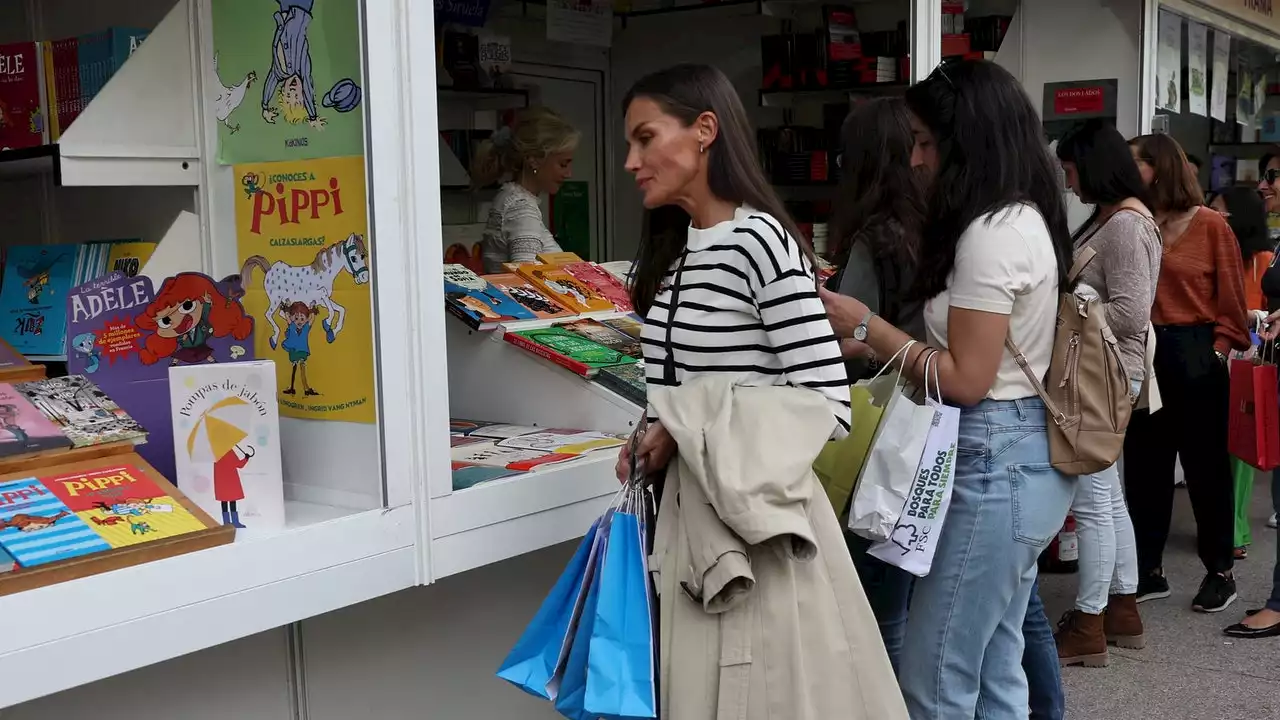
(604, 283)
(23, 428)
(22, 116)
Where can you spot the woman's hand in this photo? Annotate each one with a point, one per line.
(1270, 327)
(844, 313)
(653, 453)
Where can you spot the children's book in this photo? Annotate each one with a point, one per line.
(563, 257)
(619, 269)
(629, 325)
(22, 96)
(468, 475)
(556, 283)
(128, 257)
(478, 303)
(83, 411)
(23, 428)
(226, 441)
(37, 528)
(607, 285)
(122, 504)
(598, 332)
(500, 431)
(567, 349)
(528, 295)
(564, 442)
(626, 380)
(509, 458)
(33, 296)
(6, 562)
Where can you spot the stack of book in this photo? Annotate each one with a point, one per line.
(485, 451)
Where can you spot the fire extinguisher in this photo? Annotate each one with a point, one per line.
(1063, 554)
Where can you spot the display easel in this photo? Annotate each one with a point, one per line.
(66, 461)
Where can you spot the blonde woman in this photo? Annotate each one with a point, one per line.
(531, 157)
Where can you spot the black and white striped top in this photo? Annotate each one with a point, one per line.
(747, 304)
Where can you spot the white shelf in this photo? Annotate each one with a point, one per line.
(73, 633)
(140, 130)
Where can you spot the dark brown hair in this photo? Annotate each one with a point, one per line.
(1173, 188)
(734, 173)
(880, 201)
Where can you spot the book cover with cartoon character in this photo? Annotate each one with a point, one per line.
(33, 295)
(122, 504)
(226, 441)
(37, 528)
(477, 302)
(286, 80)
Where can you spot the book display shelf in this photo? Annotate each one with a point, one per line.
(140, 160)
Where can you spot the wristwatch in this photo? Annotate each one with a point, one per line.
(860, 332)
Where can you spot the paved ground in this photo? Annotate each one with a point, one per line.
(1189, 669)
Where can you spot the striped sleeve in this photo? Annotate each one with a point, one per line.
(794, 319)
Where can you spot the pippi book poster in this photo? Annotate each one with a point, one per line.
(286, 79)
(301, 239)
(124, 335)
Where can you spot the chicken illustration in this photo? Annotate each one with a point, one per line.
(31, 523)
(229, 98)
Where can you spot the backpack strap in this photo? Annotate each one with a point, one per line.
(1059, 418)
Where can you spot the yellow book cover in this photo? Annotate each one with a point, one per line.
(129, 256)
(558, 258)
(565, 288)
(301, 231)
(122, 505)
(51, 92)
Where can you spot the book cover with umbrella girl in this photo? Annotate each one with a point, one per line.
(226, 438)
(285, 79)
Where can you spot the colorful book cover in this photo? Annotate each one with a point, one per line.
(124, 42)
(468, 475)
(37, 528)
(626, 380)
(286, 80)
(128, 256)
(565, 289)
(604, 283)
(558, 258)
(597, 332)
(509, 458)
(122, 504)
(305, 270)
(33, 294)
(563, 442)
(525, 293)
(22, 116)
(478, 303)
(226, 439)
(620, 269)
(23, 428)
(629, 325)
(67, 61)
(569, 350)
(82, 410)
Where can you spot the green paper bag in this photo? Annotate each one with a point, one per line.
(840, 462)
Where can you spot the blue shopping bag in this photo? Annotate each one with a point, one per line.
(531, 664)
(621, 671)
(572, 677)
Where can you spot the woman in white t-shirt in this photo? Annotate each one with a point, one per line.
(995, 249)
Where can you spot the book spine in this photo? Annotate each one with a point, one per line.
(462, 315)
(49, 78)
(563, 361)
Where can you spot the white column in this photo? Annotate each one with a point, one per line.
(926, 38)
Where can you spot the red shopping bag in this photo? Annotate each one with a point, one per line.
(1254, 423)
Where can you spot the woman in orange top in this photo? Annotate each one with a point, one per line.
(1199, 317)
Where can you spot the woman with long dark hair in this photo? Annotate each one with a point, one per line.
(1122, 234)
(879, 211)
(734, 301)
(995, 250)
(1199, 317)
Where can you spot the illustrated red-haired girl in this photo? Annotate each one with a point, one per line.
(188, 311)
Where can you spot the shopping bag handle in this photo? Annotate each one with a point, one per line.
(902, 352)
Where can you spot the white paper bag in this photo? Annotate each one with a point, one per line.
(892, 461)
(915, 535)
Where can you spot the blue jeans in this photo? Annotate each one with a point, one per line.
(964, 642)
(1040, 662)
(888, 590)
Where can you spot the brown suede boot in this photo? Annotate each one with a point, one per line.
(1081, 640)
(1123, 623)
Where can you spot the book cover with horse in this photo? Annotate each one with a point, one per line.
(301, 232)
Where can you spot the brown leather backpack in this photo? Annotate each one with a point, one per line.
(1088, 389)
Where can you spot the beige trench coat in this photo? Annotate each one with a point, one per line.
(762, 616)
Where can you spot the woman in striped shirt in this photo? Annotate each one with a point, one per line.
(738, 293)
